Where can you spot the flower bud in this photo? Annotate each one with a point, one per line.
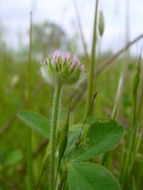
(101, 25)
(62, 68)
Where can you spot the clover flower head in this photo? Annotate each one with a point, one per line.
(62, 68)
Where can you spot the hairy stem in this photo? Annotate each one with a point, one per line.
(54, 135)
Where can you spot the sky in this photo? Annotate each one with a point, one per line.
(14, 16)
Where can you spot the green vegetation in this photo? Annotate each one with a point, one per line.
(86, 143)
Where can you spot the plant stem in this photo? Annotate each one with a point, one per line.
(128, 159)
(30, 180)
(118, 97)
(105, 159)
(81, 30)
(62, 181)
(102, 67)
(92, 63)
(54, 135)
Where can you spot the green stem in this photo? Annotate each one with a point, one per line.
(130, 144)
(92, 63)
(54, 135)
(131, 140)
(118, 97)
(30, 180)
(62, 181)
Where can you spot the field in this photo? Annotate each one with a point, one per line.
(58, 135)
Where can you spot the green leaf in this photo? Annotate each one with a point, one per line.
(72, 139)
(89, 176)
(37, 122)
(101, 137)
(73, 136)
(13, 158)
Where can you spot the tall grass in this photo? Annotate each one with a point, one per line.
(132, 139)
(133, 136)
(30, 179)
(92, 62)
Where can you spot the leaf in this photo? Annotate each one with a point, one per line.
(37, 122)
(72, 139)
(74, 132)
(89, 176)
(101, 137)
(13, 158)
(73, 136)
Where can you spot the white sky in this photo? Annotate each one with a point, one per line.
(14, 15)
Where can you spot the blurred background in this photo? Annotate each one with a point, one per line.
(122, 18)
(65, 25)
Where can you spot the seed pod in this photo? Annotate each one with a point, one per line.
(101, 25)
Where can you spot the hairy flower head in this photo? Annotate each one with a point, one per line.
(62, 68)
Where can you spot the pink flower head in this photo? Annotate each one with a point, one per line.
(66, 55)
(57, 54)
(63, 68)
(82, 68)
(46, 60)
(74, 61)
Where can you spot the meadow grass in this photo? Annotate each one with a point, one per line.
(23, 87)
